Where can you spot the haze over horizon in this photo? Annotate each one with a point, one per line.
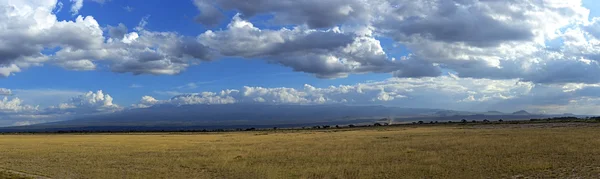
(63, 59)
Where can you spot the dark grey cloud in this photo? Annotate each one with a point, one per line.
(411, 68)
(567, 71)
(452, 23)
(210, 15)
(117, 32)
(314, 13)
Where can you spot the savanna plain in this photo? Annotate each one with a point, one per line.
(422, 151)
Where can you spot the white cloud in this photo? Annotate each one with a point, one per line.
(59, 7)
(432, 92)
(188, 86)
(135, 86)
(143, 52)
(28, 27)
(202, 98)
(15, 105)
(95, 101)
(145, 102)
(5, 92)
(16, 111)
(444, 92)
(76, 6)
(128, 8)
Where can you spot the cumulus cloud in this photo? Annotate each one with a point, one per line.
(15, 111)
(28, 27)
(430, 92)
(327, 53)
(89, 102)
(141, 52)
(478, 39)
(443, 92)
(330, 39)
(15, 105)
(146, 101)
(32, 27)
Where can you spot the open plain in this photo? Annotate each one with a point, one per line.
(562, 150)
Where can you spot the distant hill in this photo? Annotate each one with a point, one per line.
(521, 112)
(494, 113)
(230, 115)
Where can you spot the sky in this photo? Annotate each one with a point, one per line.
(60, 59)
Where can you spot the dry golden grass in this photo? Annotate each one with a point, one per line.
(384, 152)
(10, 175)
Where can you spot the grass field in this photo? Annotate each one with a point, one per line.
(456, 151)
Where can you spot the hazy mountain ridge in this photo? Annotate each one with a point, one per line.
(248, 115)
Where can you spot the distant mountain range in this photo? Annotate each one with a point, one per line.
(203, 116)
(521, 112)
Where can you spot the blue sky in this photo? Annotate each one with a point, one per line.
(462, 55)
